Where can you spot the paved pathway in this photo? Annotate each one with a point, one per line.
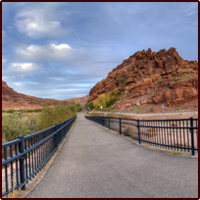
(96, 163)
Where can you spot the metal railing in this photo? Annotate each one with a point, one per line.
(176, 134)
(24, 157)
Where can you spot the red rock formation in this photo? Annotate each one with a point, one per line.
(151, 78)
(17, 101)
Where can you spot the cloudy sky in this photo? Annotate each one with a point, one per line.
(61, 50)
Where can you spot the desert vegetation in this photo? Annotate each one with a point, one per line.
(106, 102)
(27, 122)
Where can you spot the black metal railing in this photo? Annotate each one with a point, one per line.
(24, 157)
(176, 134)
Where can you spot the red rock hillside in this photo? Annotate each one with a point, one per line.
(17, 101)
(152, 78)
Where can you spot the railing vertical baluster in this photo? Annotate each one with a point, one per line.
(6, 173)
(29, 159)
(37, 153)
(120, 126)
(35, 156)
(177, 136)
(17, 178)
(26, 160)
(11, 155)
(192, 134)
(184, 135)
(197, 132)
(188, 140)
(138, 126)
(32, 154)
(173, 130)
(21, 163)
(56, 137)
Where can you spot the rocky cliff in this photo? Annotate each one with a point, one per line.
(152, 78)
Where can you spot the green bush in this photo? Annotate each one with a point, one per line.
(15, 124)
(152, 109)
(10, 111)
(122, 80)
(50, 116)
(90, 106)
(111, 101)
(29, 111)
(79, 108)
(38, 110)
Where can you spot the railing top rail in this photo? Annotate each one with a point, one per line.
(16, 141)
(9, 159)
(38, 132)
(152, 120)
(185, 119)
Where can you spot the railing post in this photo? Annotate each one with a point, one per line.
(192, 134)
(138, 125)
(120, 126)
(56, 138)
(109, 122)
(21, 163)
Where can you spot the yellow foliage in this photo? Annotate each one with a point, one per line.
(95, 104)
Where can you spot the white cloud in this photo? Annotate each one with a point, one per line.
(49, 52)
(60, 47)
(18, 84)
(22, 67)
(38, 23)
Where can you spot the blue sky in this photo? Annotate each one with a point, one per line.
(62, 49)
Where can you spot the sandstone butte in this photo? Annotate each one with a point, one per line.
(151, 78)
(17, 101)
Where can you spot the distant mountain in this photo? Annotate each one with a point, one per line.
(17, 101)
(151, 78)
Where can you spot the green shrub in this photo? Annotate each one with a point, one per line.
(111, 101)
(10, 111)
(29, 111)
(38, 110)
(50, 116)
(79, 108)
(14, 125)
(114, 93)
(122, 80)
(90, 106)
(152, 109)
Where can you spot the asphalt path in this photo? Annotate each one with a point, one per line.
(97, 163)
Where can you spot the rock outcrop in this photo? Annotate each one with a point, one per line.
(152, 78)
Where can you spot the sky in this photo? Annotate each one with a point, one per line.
(60, 50)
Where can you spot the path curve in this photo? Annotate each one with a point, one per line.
(96, 163)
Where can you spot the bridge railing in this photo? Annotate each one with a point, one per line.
(175, 134)
(24, 157)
